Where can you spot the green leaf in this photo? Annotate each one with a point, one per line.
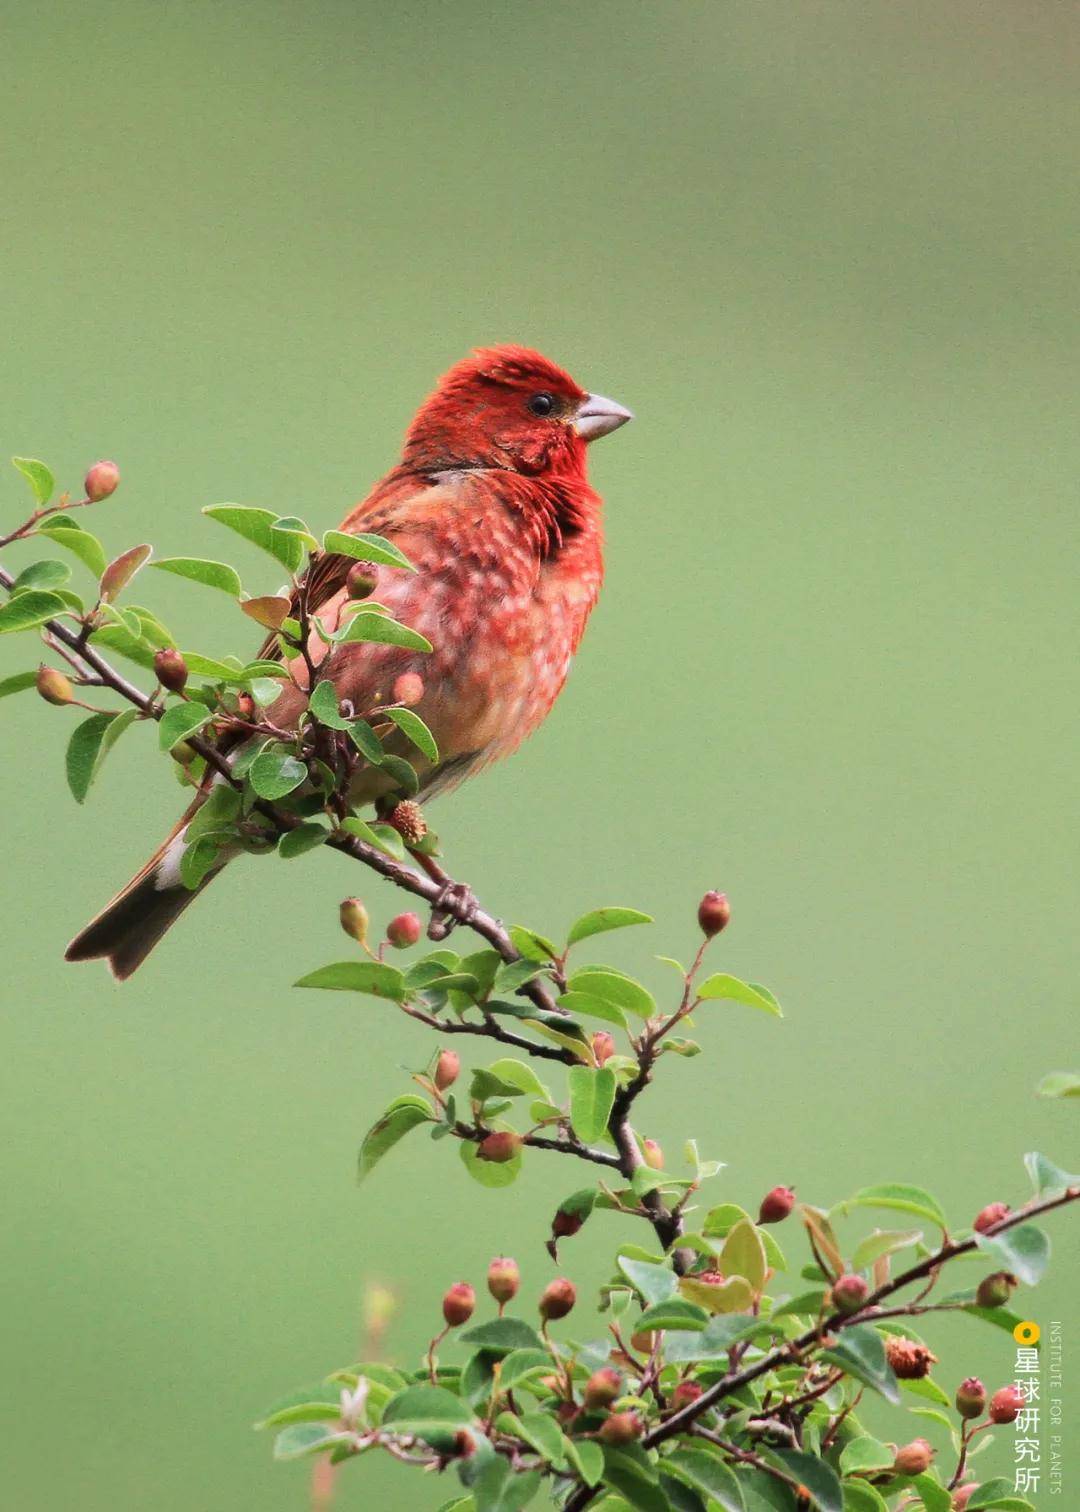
(520, 1076)
(883, 1242)
(860, 1497)
(530, 944)
(860, 1351)
(487, 1084)
(199, 858)
(366, 548)
(614, 987)
(715, 1340)
(27, 610)
(541, 1432)
(1059, 1084)
(865, 1453)
(656, 1283)
(928, 1389)
(181, 720)
(379, 629)
(67, 533)
(1047, 1178)
(373, 977)
(600, 920)
(708, 1474)
(996, 1493)
(91, 741)
(819, 1478)
(934, 1496)
(303, 838)
(324, 705)
(211, 574)
(585, 1004)
(743, 1254)
(257, 526)
(489, 1173)
(521, 1363)
(44, 574)
(675, 1313)
(403, 1114)
(432, 1404)
(412, 726)
(901, 1197)
(587, 1458)
(1025, 1251)
(722, 985)
(17, 683)
(366, 741)
(300, 1440)
(120, 571)
(498, 1488)
(308, 1404)
(734, 1295)
(273, 774)
(592, 1096)
(38, 476)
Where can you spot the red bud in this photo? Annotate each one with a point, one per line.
(914, 1458)
(101, 481)
(602, 1388)
(971, 1397)
(776, 1205)
(963, 1494)
(408, 689)
(621, 1428)
(499, 1147)
(993, 1213)
(849, 1293)
(653, 1155)
(1006, 1404)
(458, 1304)
(714, 912)
(403, 931)
(558, 1299)
(447, 1068)
(170, 669)
(503, 1278)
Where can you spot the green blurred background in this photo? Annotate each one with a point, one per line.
(827, 254)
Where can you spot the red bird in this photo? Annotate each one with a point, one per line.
(491, 503)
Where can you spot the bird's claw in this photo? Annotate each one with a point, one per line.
(456, 904)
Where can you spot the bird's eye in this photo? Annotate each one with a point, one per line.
(541, 404)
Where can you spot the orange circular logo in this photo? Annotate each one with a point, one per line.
(1027, 1333)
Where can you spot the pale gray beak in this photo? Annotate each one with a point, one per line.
(598, 416)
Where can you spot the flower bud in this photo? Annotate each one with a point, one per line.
(621, 1428)
(557, 1299)
(458, 1304)
(101, 481)
(993, 1213)
(408, 689)
(53, 686)
(971, 1397)
(913, 1458)
(499, 1147)
(849, 1293)
(653, 1155)
(404, 930)
(995, 1290)
(447, 1068)
(361, 580)
(407, 819)
(685, 1393)
(776, 1205)
(602, 1388)
(1006, 1404)
(503, 1279)
(710, 1277)
(354, 919)
(170, 669)
(963, 1494)
(910, 1361)
(603, 1046)
(713, 913)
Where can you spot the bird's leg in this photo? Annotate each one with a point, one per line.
(456, 903)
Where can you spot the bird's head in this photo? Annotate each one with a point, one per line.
(507, 406)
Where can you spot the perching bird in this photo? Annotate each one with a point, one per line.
(491, 503)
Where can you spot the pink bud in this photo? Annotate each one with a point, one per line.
(403, 931)
(714, 912)
(776, 1205)
(558, 1299)
(101, 481)
(458, 1304)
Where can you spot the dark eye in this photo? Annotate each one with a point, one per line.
(541, 404)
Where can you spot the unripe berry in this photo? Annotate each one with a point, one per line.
(914, 1458)
(776, 1205)
(685, 1393)
(995, 1290)
(170, 669)
(354, 919)
(849, 1293)
(653, 1155)
(361, 580)
(184, 753)
(101, 481)
(408, 689)
(407, 818)
(910, 1361)
(603, 1046)
(503, 1278)
(499, 1147)
(53, 686)
(714, 912)
(447, 1068)
(643, 1342)
(1006, 1404)
(557, 1299)
(971, 1397)
(621, 1428)
(993, 1213)
(963, 1494)
(602, 1388)
(458, 1304)
(403, 931)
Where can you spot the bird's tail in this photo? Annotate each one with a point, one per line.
(128, 928)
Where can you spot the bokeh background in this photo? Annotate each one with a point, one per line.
(827, 253)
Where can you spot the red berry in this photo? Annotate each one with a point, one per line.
(776, 1205)
(403, 931)
(558, 1299)
(101, 481)
(565, 1225)
(458, 1304)
(621, 1428)
(170, 669)
(602, 1388)
(913, 1458)
(408, 689)
(971, 1397)
(849, 1293)
(714, 912)
(993, 1213)
(499, 1147)
(685, 1393)
(503, 1278)
(1006, 1404)
(447, 1068)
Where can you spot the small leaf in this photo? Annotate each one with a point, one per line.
(181, 720)
(585, 1004)
(675, 1313)
(656, 1283)
(1059, 1084)
(735, 1295)
(743, 1254)
(403, 1114)
(308, 1404)
(324, 705)
(1025, 1251)
(865, 1453)
(721, 985)
(67, 533)
(17, 683)
(269, 610)
(502, 1336)
(708, 1474)
(211, 574)
(433, 1404)
(366, 548)
(1046, 1177)
(372, 977)
(379, 629)
(587, 1457)
(304, 837)
(489, 1173)
(883, 1242)
(901, 1197)
(592, 1095)
(412, 726)
(199, 858)
(366, 741)
(257, 526)
(90, 743)
(121, 570)
(715, 1341)
(273, 774)
(819, 1478)
(299, 1440)
(27, 610)
(519, 1364)
(44, 574)
(38, 476)
(600, 920)
(614, 987)
(860, 1351)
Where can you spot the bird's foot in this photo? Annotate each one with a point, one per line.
(456, 904)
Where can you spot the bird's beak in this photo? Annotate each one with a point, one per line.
(598, 416)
